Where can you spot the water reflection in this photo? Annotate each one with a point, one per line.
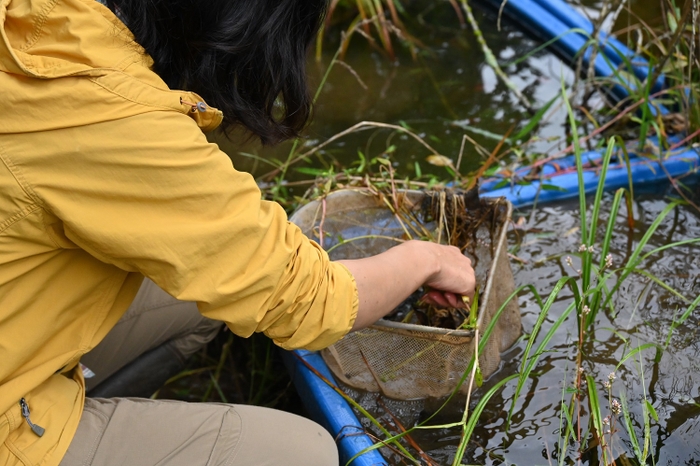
(642, 312)
(446, 89)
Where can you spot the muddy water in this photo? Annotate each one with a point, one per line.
(643, 312)
(443, 93)
(450, 91)
(447, 90)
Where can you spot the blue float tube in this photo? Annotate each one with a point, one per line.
(546, 19)
(562, 174)
(612, 48)
(328, 408)
(550, 19)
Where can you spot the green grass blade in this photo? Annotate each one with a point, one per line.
(581, 186)
(535, 120)
(599, 192)
(630, 429)
(659, 282)
(468, 429)
(596, 415)
(669, 246)
(636, 350)
(605, 249)
(634, 257)
(527, 362)
(687, 312)
(482, 346)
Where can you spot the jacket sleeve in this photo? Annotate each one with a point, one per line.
(149, 194)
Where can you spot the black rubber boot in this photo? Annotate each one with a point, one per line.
(142, 377)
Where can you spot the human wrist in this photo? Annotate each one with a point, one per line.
(424, 258)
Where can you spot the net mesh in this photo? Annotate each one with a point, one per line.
(408, 361)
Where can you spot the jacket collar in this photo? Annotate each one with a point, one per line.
(50, 39)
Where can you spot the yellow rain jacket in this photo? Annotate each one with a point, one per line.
(106, 177)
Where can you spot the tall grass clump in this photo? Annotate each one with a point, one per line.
(595, 278)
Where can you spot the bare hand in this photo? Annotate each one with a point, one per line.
(384, 280)
(454, 279)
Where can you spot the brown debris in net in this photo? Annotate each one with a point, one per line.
(459, 216)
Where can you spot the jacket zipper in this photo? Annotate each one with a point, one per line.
(38, 430)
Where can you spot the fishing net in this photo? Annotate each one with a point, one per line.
(410, 358)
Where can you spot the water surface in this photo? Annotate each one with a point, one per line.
(643, 312)
(448, 91)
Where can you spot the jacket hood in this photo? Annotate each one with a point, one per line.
(91, 59)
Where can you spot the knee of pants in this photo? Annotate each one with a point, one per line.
(142, 432)
(270, 437)
(199, 335)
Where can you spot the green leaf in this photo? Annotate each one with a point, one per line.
(418, 171)
(311, 171)
(552, 187)
(636, 350)
(474, 308)
(404, 125)
(672, 22)
(492, 171)
(652, 411)
(535, 120)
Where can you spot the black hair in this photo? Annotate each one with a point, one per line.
(245, 57)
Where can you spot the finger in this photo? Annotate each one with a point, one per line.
(452, 299)
(444, 299)
(436, 298)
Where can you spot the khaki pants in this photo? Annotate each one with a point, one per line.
(143, 432)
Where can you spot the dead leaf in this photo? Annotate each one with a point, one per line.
(439, 161)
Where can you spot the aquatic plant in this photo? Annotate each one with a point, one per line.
(593, 286)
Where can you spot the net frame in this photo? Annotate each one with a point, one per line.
(402, 360)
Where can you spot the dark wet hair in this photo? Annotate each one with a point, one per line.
(245, 57)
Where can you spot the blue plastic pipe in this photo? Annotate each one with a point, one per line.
(328, 408)
(613, 49)
(546, 19)
(549, 19)
(562, 175)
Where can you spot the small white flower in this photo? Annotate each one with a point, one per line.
(616, 407)
(591, 249)
(608, 261)
(585, 310)
(611, 376)
(580, 370)
(582, 248)
(607, 385)
(569, 261)
(606, 421)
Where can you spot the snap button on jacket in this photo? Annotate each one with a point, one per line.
(106, 177)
